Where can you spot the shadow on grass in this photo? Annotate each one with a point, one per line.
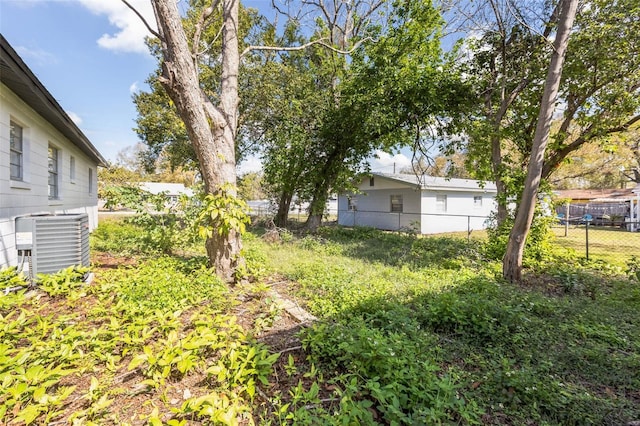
(475, 350)
(391, 248)
(486, 352)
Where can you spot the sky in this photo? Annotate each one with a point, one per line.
(91, 56)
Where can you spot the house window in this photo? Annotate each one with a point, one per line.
(53, 173)
(477, 201)
(371, 182)
(396, 204)
(441, 203)
(17, 151)
(352, 203)
(90, 180)
(72, 168)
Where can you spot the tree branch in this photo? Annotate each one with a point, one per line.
(144, 21)
(206, 12)
(561, 154)
(321, 41)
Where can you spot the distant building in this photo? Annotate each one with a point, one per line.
(173, 191)
(427, 204)
(610, 207)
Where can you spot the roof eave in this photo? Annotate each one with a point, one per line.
(17, 76)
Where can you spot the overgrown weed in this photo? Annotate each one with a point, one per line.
(405, 314)
(412, 330)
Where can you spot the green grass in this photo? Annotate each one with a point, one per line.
(410, 330)
(428, 319)
(611, 245)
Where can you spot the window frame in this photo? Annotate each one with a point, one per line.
(393, 207)
(477, 201)
(53, 181)
(441, 203)
(91, 189)
(18, 152)
(352, 203)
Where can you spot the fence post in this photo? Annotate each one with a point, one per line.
(468, 229)
(587, 237)
(566, 220)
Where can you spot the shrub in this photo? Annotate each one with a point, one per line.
(404, 383)
(538, 247)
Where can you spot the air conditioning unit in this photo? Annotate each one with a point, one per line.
(55, 242)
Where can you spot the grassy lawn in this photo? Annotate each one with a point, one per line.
(409, 331)
(612, 245)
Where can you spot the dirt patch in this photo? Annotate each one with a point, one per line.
(109, 261)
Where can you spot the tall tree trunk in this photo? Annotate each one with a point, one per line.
(211, 128)
(501, 190)
(284, 204)
(320, 195)
(512, 261)
(316, 209)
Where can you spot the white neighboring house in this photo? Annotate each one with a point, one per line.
(427, 204)
(172, 191)
(47, 165)
(634, 211)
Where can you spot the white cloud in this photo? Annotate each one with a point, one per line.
(387, 163)
(250, 164)
(131, 31)
(134, 87)
(74, 117)
(36, 56)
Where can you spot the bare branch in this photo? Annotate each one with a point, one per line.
(144, 21)
(554, 17)
(321, 42)
(216, 38)
(200, 26)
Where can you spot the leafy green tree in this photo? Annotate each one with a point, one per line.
(394, 93)
(250, 186)
(199, 67)
(594, 166)
(161, 129)
(115, 176)
(208, 107)
(512, 261)
(299, 89)
(596, 96)
(601, 80)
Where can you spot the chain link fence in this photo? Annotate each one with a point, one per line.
(599, 230)
(604, 233)
(425, 223)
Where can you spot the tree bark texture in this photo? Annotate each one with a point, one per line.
(284, 204)
(512, 261)
(496, 162)
(211, 128)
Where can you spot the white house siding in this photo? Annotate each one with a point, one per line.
(461, 214)
(374, 209)
(30, 196)
(420, 210)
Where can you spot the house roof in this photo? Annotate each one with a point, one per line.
(440, 183)
(17, 76)
(168, 188)
(597, 195)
